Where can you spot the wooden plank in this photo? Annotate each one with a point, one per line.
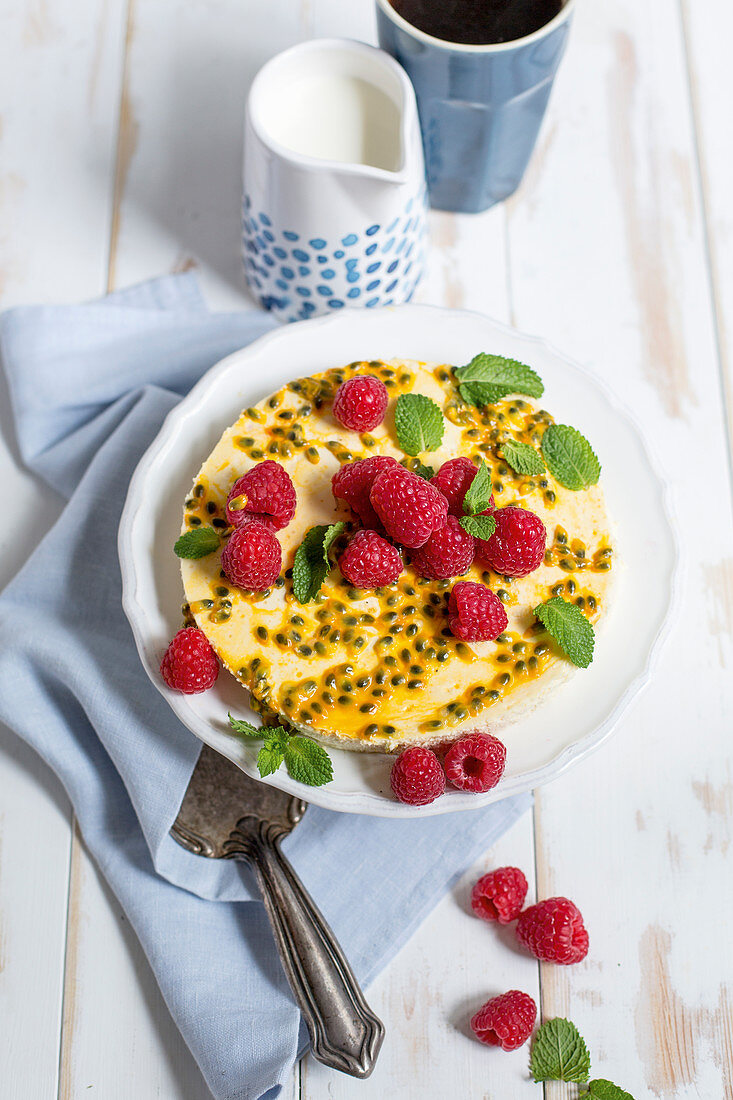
(607, 259)
(58, 87)
(427, 996)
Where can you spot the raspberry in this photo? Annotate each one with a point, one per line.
(517, 546)
(453, 479)
(252, 557)
(409, 507)
(189, 663)
(505, 1021)
(499, 895)
(447, 553)
(475, 614)
(475, 762)
(370, 561)
(353, 483)
(417, 777)
(553, 931)
(360, 403)
(269, 496)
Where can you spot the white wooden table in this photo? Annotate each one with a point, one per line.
(119, 160)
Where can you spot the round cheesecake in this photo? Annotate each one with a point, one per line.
(379, 669)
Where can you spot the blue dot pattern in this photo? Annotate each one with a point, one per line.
(299, 275)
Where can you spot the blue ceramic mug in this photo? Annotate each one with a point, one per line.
(480, 107)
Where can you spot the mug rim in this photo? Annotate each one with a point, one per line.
(305, 160)
(468, 47)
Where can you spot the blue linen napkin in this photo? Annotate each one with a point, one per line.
(90, 386)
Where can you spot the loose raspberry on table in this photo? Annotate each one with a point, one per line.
(475, 613)
(189, 663)
(410, 508)
(517, 546)
(553, 931)
(505, 1021)
(453, 479)
(499, 895)
(369, 561)
(252, 557)
(265, 493)
(417, 777)
(447, 553)
(360, 403)
(352, 483)
(475, 762)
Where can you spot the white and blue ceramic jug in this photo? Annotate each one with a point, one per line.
(334, 181)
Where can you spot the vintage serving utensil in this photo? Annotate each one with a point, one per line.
(227, 815)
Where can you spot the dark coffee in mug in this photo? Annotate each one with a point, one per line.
(478, 22)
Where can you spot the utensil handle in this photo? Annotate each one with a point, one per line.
(345, 1034)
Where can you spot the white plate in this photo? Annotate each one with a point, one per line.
(540, 745)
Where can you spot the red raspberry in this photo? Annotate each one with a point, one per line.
(360, 403)
(475, 614)
(270, 496)
(417, 777)
(370, 561)
(353, 483)
(475, 762)
(252, 557)
(409, 507)
(553, 931)
(499, 895)
(517, 546)
(189, 663)
(453, 479)
(447, 553)
(506, 1021)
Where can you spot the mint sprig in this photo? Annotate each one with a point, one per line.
(570, 457)
(419, 423)
(475, 502)
(423, 471)
(199, 542)
(569, 627)
(489, 378)
(306, 761)
(522, 458)
(601, 1089)
(559, 1053)
(311, 564)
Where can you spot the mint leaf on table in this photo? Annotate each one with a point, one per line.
(245, 729)
(601, 1089)
(478, 494)
(308, 762)
(570, 457)
(419, 423)
(489, 378)
(569, 627)
(522, 458)
(199, 542)
(481, 527)
(559, 1053)
(311, 564)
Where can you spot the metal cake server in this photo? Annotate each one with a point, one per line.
(227, 815)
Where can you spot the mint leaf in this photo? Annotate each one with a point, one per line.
(569, 627)
(419, 423)
(423, 471)
(308, 762)
(601, 1089)
(559, 1053)
(272, 753)
(199, 542)
(522, 458)
(311, 563)
(489, 378)
(478, 494)
(246, 729)
(481, 527)
(570, 457)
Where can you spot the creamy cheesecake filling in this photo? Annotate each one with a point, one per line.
(379, 668)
